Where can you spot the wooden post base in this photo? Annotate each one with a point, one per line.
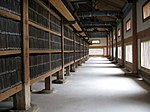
(79, 63)
(33, 108)
(45, 91)
(72, 68)
(67, 71)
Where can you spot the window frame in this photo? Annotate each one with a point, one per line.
(130, 25)
(147, 18)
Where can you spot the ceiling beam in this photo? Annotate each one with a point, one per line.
(112, 4)
(100, 13)
(99, 35)
(89, 23)
(99, 26)
(80, 2)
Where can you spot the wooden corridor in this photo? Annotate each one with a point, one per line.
(97, 86)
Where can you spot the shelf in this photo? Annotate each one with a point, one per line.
(49, 10)
(68, 38)
(77, 42)
(69, 51)
(55, 33)
(56, 51)
(68, 64)
(43, 28)
(45, 75)
(43, 51)
(9, 52)
(77, 60)
(38, 26)
(77, 50)
(10, 92)
(9, 15)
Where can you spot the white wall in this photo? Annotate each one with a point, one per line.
(103, 42)
(140, 24)
(119, 27)
(129, 33)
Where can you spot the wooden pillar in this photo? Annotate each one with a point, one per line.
(122, 43)
(134, 39)
(112, 45)
(22, 100)
(67, 70)
(48, 83)
(107, 47)
(48, 80)
(116, 41)
(60, 74)
(72, 67)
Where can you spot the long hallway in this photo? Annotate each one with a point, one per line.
(96, 86)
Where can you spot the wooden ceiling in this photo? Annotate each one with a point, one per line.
(97, 5)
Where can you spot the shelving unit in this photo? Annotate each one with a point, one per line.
(45, 47)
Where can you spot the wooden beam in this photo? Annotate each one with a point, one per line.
(10, 92)
(60, 74)
(45, 75)
(107, 47)
(112, 45)
(134, 39)
(10, 52)
(77, 27)
(22, 100)
(122, 43)
(9, 15)
(59, 5)
(116, 41)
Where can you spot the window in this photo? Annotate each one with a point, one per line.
(114, 37)
(96, 51)
(119, 32)
(129, 53)
(145, 54)
(95, 41)
(146, 10)
(128, 25)
(119, 52)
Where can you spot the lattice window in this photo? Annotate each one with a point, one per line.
(119, 53)
(129, 53)
(145, 54)
(146, 10)
(96, 51)
(128, 25)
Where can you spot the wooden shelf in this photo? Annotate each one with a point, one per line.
(9, 15)
(38, 26)
(9, 52)
(10, 92)
(55, 33)
(69, 51)
(56, 51)
(44, 51)
(77, 60)
(77, 42)
(50, 11)
(68, 64)
(77, 50)
(43, 28)
(68, 38)
(45, 75)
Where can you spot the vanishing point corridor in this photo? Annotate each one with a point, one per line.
(96, 86)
